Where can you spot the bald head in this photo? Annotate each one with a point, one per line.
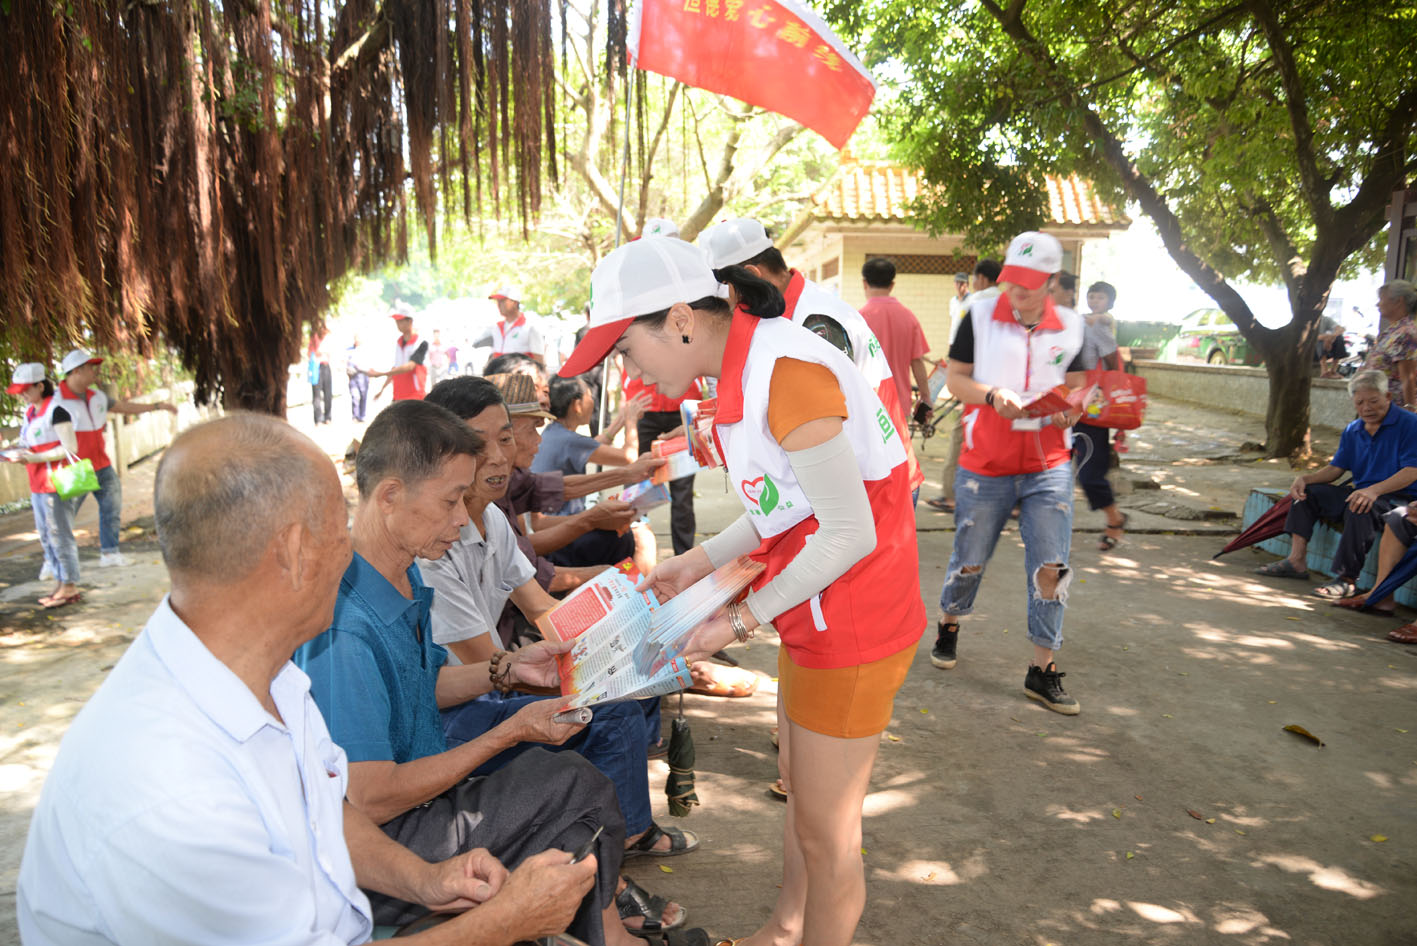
(226, 487)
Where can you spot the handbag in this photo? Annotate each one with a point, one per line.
(1118, 402)
(74, 478)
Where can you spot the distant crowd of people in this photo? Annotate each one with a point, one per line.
(336, 722)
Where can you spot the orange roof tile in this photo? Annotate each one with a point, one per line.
(882, 192)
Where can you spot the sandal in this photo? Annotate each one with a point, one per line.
(1109, 542)
(58, 601)
(941, 504)
(636, 901)
(1406, 634)
(778, 790)
(680, 842)
(690, 937)
(1281, 569)
(1336, 589)
(1359, 603)
(657, 750)
(723, 681)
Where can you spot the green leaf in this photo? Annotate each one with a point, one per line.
(767, 499)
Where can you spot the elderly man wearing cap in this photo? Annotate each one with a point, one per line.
(89, 407)
(1005, 354)
(409, 375)
(744, 242)
(514, 333)
(46, 438)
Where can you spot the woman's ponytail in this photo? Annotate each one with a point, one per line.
(756, 296)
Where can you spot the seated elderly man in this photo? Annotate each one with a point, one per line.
(1399, 532)
(1380, 449)
(198, 798)
(380, 678)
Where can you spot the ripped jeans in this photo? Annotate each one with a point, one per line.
(982, 506)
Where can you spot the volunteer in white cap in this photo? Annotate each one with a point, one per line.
(89, 408)
(514, 333)
(46, 440)
(745, 243)
(409, 375)
(811, 453)
(1008, 351)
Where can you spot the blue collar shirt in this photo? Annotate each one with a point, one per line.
(1372, 458)
(374, 672)
(180, 811)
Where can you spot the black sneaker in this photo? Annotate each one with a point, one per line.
(943, 654)
(1046, 686)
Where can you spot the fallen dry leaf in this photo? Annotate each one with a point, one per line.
(1377, 838)
(1130, 855)
(924, 711)
(1239, 832)
(1167, 716)
(1137, 797)
(1116, 813)
(893, 738)
(1210, 821)
(667, 869)
(1304, 733)
(1396, 730)
(1290, 617)
(1195, 814)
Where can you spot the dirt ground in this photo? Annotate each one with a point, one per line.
(1175, 809)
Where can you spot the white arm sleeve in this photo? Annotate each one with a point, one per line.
(740, 538)
(68, 443)
(846, 532)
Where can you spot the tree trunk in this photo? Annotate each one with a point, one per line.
(1286, 420)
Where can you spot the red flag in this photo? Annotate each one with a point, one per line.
(776, 54)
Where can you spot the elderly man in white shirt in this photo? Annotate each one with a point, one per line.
(198, 797)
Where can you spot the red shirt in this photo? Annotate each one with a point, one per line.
(658, 402)
(902, 341)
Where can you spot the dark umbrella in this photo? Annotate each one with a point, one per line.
(680, 784)
(1405, 568)
(1266, 526)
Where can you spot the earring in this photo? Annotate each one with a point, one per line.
(685, 338)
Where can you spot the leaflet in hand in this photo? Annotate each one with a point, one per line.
(1057, 400)
(610, 622)
(681, 460)
(645, 495)
(698, 417)
(677, 619)
(936, 381)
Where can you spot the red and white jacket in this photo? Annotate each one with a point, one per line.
(89, 412)
(875, 609)
(805, 298)
(411, 385)
(1007, 355)
(37, 433)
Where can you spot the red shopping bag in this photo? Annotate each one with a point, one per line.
(1118, 402)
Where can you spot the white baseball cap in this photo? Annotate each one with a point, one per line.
(77, 359)
(660, 227)
(31, 372)
(733, 241)
(398, 315)
(638, 278)
(1031, 259)
(507, 292)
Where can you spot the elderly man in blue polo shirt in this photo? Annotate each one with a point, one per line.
(1380, 449)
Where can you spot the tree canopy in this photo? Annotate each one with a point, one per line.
(1263, 139)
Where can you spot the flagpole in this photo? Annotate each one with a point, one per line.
(603, 409)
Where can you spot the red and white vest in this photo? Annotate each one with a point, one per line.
(1007, 355)
(89, 412)
(875, 609)
(412, 385)
(38, 434)
(805, 298)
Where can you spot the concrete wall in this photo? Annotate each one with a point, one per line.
(1242, 389)
(129, 438)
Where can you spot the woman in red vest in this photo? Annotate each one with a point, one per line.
(795, 420)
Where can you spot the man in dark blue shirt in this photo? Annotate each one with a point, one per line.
(1380, 449)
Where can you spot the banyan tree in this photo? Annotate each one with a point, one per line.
(201, 172)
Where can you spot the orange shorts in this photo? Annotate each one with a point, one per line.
(846, 702)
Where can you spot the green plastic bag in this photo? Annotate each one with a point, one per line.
(74, 479)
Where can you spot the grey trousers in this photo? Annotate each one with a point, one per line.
(540, 800)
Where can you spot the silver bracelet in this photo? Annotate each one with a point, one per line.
(735, 621)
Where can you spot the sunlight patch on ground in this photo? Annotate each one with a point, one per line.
(1327, 643)
(1398, 683)
(1217, 636)
(928, 873)
(1328, 878)
(1240, 920)
(880, 803)
(1077, 817)
(1156, 913)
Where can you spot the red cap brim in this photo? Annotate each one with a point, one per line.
(17, 388)
(1023, 276)
(399, 316)
(594, 347)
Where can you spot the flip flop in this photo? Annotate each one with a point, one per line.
(680, 842)
(1356, 603)
(57, 602)
(1281, 569)
(1406, 634)
(778, 790)
(727, 682)
(941, 504)
(1107, 543)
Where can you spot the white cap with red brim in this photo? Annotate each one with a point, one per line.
(77, 359)
(510, 293)
(1031, 259)
(639, 278)
(31, 372)
(733, 241)
(400, 316)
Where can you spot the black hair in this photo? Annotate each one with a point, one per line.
(1105, 287)
(879, 273)
(769, 259)
(466, 395)
(565, 392)
(411, 440)
(1067, 282)
(756, 296)
(48, 387)
(508, 363)
(989, 269)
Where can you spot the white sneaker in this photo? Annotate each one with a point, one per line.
(47, 571)
(111, 560)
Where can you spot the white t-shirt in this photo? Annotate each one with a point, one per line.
(472, 581)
